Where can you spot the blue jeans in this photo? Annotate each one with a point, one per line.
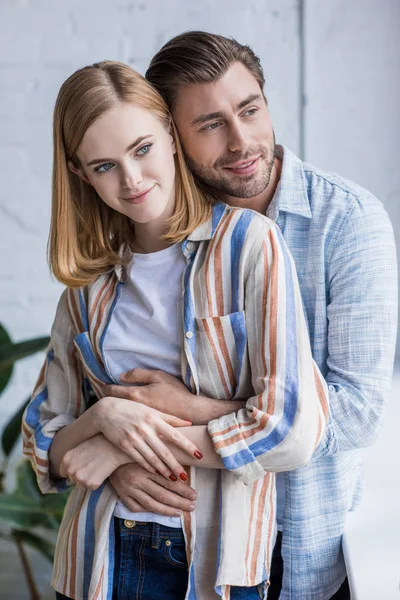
(150, 564)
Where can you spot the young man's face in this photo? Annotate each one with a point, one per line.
(226, 133)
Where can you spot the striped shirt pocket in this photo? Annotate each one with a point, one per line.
(221, 356)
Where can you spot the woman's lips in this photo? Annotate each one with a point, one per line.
(138, 198)
(247, 167)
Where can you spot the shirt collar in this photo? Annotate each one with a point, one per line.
(206, 230)
(291, 193)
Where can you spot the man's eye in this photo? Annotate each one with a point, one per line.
(104, 168)
(250, 112)
(144, 150)
(211, 126)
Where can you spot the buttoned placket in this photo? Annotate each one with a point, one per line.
(189, 249)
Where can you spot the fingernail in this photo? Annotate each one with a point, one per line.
(173, 478)
(198, 454)
(193, 497)
(178, 514)
(183, 476)
(192, 506)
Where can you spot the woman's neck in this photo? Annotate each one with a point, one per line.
(148, 237)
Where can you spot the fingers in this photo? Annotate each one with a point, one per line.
(161, 459)
(175, 436)
(152, 504)
(119, 391)
(152, 492)
(132, 504)
(168, 465)
(174, 421)
(141, 376)
(180, 490)
(143, 456)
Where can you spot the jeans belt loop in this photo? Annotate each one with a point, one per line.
(155, 536)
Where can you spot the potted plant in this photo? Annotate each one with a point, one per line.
(24, 509)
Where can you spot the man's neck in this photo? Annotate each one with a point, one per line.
(261, 202)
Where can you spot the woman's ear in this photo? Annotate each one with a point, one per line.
(173, 145)
(172, 133)
(78, 171)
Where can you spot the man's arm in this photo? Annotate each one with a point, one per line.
(280, 426)
(362, 313)
(169, 395)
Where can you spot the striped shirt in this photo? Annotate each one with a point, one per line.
(245, 336)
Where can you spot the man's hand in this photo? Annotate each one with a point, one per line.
(142, 491)
(158, 390)
(169, 395)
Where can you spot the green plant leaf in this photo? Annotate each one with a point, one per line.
(6, 372)
(23, 512)
(12, 430)
(43, 546)
(54, 504)
(26, 484)
(10, 352)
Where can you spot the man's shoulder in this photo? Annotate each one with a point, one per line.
(328, 191)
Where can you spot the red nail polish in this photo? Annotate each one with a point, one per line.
(173, 478)
(198, 454)
(183, 476)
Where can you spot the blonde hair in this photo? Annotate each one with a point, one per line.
(86, 235)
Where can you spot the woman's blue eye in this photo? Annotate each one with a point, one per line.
(104, 168)
(144, 150)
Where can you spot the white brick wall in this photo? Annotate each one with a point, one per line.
(352, 86)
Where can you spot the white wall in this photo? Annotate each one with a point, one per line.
(350, 123)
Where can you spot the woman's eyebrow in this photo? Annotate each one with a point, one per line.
(135, 143)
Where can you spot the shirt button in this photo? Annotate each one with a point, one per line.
(189, 334)
(129, 524)
(190, 245)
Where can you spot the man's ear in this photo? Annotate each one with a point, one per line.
(78, 171)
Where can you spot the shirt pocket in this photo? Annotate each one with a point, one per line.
(221, 355)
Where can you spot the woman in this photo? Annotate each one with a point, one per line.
(124, 203)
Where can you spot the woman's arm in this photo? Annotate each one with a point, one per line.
(57, 400)
(134, 429)
(283, 422)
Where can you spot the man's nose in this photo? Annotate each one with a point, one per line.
(237, 138)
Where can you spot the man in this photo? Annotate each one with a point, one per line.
(342, 243)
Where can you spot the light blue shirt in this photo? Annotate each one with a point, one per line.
(342, 243)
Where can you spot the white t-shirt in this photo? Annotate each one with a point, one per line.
(145, 330)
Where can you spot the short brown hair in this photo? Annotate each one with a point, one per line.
(86, 235)
(198, 57)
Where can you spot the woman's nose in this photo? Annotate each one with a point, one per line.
(131, 177)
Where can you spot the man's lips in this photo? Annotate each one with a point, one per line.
(137, 198)
(244, 167)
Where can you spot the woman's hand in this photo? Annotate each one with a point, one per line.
(89, 464)
(136, 430)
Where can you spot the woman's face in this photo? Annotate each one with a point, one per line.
(127, 155)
